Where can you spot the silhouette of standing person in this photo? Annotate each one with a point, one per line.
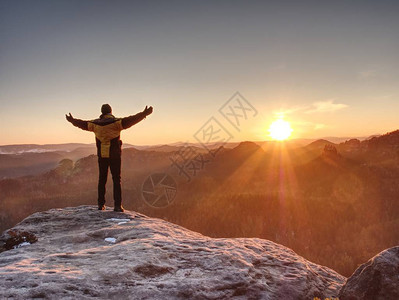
(107, 130)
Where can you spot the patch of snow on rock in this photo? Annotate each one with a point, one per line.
(22, 245)
(110, 240)
(118, 220)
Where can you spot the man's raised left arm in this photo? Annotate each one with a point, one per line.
(132, 120)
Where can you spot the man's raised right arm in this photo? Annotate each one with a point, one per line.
(77, 122)
(132, 120)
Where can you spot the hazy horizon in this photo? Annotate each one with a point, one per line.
(343, 138)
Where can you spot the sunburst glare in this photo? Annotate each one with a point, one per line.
(280, 130)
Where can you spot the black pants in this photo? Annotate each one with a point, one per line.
(115, 165)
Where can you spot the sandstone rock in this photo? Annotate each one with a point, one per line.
(376, 279)
(151, 259)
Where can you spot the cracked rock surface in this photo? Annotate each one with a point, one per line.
(84, 253)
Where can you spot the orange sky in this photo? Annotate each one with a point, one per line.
(329, 69)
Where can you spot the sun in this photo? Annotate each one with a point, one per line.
(280, 130)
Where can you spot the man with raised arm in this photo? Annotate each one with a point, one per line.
(107, 129)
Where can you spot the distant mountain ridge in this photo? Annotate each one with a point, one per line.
(36, 148)
(31, 159)
(39, 148)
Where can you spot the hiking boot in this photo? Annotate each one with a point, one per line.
(119, 209)
(101, 207)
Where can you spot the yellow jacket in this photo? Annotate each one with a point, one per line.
(107, 129)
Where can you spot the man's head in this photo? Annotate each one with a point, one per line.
(106, 109)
